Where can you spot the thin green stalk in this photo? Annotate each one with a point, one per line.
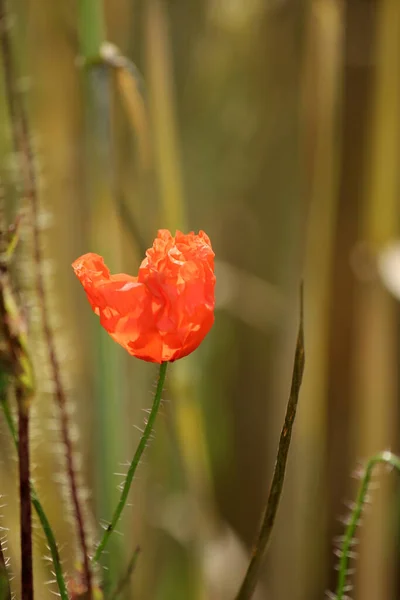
(135, 462)
(250, 581)
(99, 182)
(51, 540)
(127, 576)
(383, 457)
(91, 29)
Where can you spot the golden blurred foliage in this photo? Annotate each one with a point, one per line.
(274, 125)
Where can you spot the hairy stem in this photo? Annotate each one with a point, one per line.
(25, 497)
(134, 464)
(50, 538)
(5, 589)
(21, 138)
(385, 458)
(250, 581)
(74, 491)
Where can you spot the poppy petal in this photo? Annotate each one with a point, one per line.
(165, 312)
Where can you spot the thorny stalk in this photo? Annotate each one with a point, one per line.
(25, 495)
(16, 364)
(5, 589)
(387, 458)
(20, 369)
(22, 144)
(51, 540)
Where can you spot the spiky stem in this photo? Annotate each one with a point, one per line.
(385, 458)
(74, 486)
(25, 497)
(18, 369)
(50, 538)
(21, 138)
(250, 581)
(5, 588)
(134, 464)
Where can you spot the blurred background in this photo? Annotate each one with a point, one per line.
(274, 125)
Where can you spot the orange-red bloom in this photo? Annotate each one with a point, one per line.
(166, 311)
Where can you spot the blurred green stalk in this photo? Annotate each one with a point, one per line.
(99, 201)
(91, 29)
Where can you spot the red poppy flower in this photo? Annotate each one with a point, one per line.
(166, 311)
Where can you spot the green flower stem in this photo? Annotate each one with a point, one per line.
(250, 580)
(51, 540)
(134, 464)
(383, 457)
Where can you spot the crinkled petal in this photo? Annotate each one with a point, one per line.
(165, 312)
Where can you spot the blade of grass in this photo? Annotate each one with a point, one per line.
(127, 576)
(250, 581)
(130, 86)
